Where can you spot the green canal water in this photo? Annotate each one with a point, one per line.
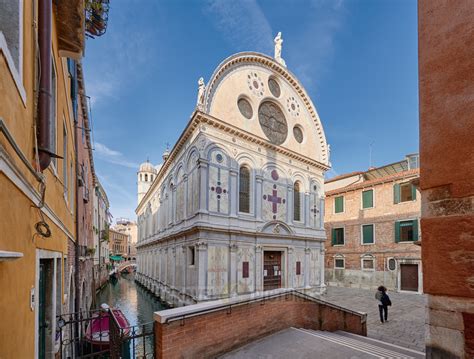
(133, 300)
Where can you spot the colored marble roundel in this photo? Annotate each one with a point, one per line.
(275, 175)
(298, 133)
(293, 106)
(274, 87)
(255, 84)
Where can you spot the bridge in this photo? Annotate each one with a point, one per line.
(126, 265)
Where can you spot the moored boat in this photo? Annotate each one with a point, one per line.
(97, 333)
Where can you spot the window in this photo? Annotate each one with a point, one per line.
(406, 231)
(11, 27)
(403, 192)
(413, 161)
(339, 204)
(65, 168)
(244, 190)
(338, 236)
(298, 268)
(297, 202)
(52, 119)
(368, 263)
(146, 177)
(191, 255)
(368, 198)
(245, 269)
(339, 262)
(368, 234)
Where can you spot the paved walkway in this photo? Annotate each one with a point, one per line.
(406, 316)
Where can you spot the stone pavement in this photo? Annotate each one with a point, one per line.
(406, 316)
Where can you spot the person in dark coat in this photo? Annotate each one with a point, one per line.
(383, 301)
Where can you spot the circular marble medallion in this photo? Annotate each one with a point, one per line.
(293, 106)
(245, 108)
(273, 122)
(255, 84)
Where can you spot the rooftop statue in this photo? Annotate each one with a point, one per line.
(200, 96)
(278, 44)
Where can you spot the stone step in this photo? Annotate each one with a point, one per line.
(407, 351)
(372, 348)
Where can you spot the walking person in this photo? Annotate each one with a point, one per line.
(383, 301)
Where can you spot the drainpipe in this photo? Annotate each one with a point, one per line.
(44, 96)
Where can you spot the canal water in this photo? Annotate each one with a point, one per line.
(133, 300)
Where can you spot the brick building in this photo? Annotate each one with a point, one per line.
(371, 221)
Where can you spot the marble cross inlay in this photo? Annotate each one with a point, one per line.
(315, 210)
(219, 190)
(274, 200)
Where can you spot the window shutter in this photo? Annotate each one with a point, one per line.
(339, 204)
(415, 229)
(413, 192)
(367, 234)
(333, 241)
(396, 193)
(397, 232)
(368, 199)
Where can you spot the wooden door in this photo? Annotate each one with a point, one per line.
(272, 270)
(409, 277)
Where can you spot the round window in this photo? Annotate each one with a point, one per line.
(298, 133)
(273, 122)
(274, 87)
(245, 108)
(219, 158)
(392, 264)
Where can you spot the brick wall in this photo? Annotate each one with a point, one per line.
(383, 216)
(214, 333)
(446, 86)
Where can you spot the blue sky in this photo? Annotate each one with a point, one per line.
(356, 58)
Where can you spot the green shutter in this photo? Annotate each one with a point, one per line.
(396, 193)
(339, 204)
(368, 234)
(333, 241)
(397, 232)
(415, 230)
(368, 199)
(413, 192)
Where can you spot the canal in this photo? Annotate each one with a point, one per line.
(133, 300)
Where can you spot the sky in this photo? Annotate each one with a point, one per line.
(357, 60)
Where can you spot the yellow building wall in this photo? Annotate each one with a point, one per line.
(17, 213)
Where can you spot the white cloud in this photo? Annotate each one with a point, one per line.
(315, 47)
(115, 157)
(242, 23)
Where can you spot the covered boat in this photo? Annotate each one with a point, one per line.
(97, 333)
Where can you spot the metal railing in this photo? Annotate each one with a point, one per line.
(262, 299)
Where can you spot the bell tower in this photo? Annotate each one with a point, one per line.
(145, 177)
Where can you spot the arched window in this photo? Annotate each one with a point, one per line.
(146, 177)
(297, 202)
(151, 178)
(244, 189)
(141, 179)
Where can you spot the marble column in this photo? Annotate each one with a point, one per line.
(234, 194)
(307, 211)
(291, 268)
(202, 270)
(186, 199)
(203, 185)
(258, 199)
(322, 284)
(184, 252)
(290, 206)
(307, 267)
(321, 212)
(259, 268)
(233, 269)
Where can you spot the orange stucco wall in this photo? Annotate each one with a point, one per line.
(17, 215)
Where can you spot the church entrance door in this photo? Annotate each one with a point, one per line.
(272, 270)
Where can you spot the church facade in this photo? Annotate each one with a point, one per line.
(237, 205)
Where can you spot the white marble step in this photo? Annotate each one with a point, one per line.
(355, 342)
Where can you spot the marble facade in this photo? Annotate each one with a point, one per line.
(194, 244)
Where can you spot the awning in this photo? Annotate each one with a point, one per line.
(116, 258)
